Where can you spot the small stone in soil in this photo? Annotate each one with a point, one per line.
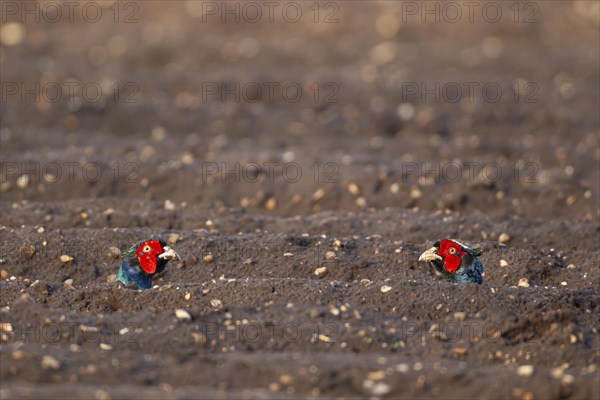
(49, 362)
(173, 238)
(504, 238)
(525, 370)
(169, 205)
(114, 252)
(523, 282)
(181, 314)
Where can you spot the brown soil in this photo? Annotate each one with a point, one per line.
(374, 188)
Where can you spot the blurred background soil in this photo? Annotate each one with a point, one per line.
(343, 135)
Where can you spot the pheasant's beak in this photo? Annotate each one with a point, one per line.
(430, 255)
(169, 254)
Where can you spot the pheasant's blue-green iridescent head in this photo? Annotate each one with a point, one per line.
(144, 259)
(455, 261)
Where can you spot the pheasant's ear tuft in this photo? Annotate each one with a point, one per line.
(131, 250)
(437, 244)
(475, 252)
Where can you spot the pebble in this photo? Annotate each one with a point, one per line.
(503, 263)
(3, 273)
(286, 379)
(523, 282)
(105, 346)
(181, 314)
(288, 156)
(326, 339)
(377, 388)
(69, 283)
(376, 375)
(111, 278)
(23, 181)
(460, 351)
(525, 370)
(403, 368)
(169, 205)
(216, 303)
(114, 252)
(288, 255)
(459, 316)
(173, 238)
(361, 202)
(416, 193)
(572, 339)
(187, 296)
(568, 379)
(366, 282)
(88, 328)
(101, 395)
(187, 158)
(208, 258)
(271, 204)
(65, 258)
(353, 188)
(330, 255)
(563, 283)
(504, 238)
(557, 373)
(318, 194)
(385, 288)
(49, 362)
(274, 387)
(6, 327)
(12, 33)
(41, 229)
(199, 338)
(321, 271)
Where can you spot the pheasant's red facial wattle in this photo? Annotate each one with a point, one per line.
(147, 254)
(452, 254)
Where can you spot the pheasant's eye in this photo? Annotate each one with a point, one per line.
(452, 250)
(146, 249)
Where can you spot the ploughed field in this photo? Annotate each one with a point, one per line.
(300, 220)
